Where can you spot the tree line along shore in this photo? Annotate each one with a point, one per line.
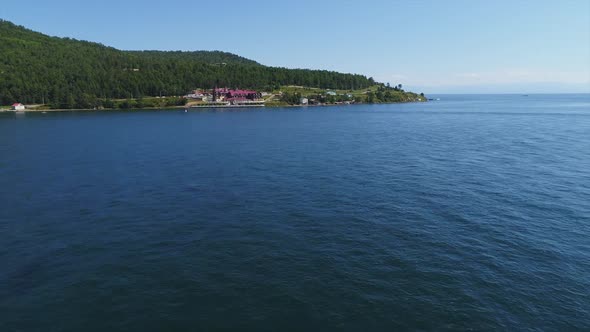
(283, 97)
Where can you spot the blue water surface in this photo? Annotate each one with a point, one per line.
(468, 213)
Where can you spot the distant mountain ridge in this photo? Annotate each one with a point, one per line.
(68, 73)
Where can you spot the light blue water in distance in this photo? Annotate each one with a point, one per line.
(472, 212)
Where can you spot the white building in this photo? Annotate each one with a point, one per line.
(196, 94)
(304, 101)
(18, 107)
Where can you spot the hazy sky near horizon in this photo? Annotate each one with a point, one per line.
(456, 46)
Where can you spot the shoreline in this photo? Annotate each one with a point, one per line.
(174, 108)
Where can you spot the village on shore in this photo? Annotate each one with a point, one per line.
(226, 97)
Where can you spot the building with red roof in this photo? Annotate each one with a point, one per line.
(235, 95)
(18, 107)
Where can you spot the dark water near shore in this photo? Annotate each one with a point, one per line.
(472, 212)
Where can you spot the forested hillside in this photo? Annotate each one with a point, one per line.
(67, 73)
(212, 57)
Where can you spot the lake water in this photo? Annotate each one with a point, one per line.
(468, 213)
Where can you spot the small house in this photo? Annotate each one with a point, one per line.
(331, 93)
(196, 94)
(18, 107)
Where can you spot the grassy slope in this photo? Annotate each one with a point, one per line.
(362, 93)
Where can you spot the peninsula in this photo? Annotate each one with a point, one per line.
(44, 72)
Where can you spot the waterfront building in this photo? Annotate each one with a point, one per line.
(18, 107)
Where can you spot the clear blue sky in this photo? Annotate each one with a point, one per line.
(432, 46)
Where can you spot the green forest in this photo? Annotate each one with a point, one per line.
(68, 73)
